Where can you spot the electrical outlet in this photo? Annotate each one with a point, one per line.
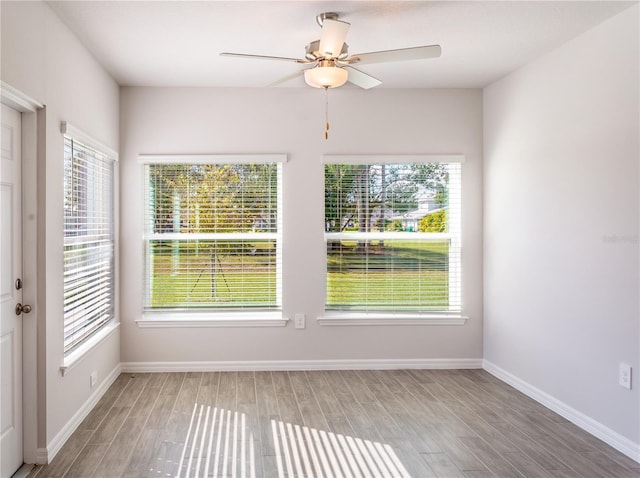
(299, 321)
(93, 379)
(624, 376)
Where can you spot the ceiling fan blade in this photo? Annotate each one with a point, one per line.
(361, 79)
(287, 78)
(402, 54)
(264, 57)
(334, 33)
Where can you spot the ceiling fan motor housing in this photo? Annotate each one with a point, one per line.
(312, 51)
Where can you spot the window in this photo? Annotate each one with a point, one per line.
(392, 230)
(89, 264)
(212, 233)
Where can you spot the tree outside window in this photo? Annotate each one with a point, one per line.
(391, 243)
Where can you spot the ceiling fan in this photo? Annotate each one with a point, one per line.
(330, 60)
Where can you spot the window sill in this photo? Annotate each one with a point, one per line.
(351, 318)
(211, 319)
(75, 357)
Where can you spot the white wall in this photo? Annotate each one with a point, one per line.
(561, 154)
(42, 59)
(291, 121)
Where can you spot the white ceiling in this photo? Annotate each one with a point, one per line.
(177, 43)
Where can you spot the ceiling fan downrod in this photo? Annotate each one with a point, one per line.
(326, 112)
(321, 17)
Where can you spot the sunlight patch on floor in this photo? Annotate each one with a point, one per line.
(221, 443)
(217, 444)
(310, 453)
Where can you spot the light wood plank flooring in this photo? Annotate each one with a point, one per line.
(401, 423)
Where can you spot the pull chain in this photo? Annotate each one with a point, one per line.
(326, 112)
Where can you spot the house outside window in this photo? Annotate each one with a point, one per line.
(392, 232)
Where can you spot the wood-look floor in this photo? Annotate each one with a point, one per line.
(418, 423)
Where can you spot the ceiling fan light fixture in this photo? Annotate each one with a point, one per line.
(326, 76)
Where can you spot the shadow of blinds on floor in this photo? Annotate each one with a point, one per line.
(221, 443)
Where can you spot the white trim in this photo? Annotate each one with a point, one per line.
(116, 243)
(41, 456)
(212, 236)
(32, 122)
(388, 236)
(597, 429)
(23, 471)
(211, 158)
(455, 230)
(362, 318)
(391, 158)
(277, 365)
(17, 100)
(75, 357)
(177, 319)
(72, 132)
(54, 446)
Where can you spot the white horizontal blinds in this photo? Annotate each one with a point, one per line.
(212, 236)
(393, 236)
(454, 224)
(88, 241)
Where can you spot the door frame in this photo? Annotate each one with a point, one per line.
(33, 326)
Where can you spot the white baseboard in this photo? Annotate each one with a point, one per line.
(374, 364)
(45, 455)
(42, 456)
(23, 471)
(597, 429)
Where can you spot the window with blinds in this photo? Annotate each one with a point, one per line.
(88, 241)
(392, 235)
(212, 236)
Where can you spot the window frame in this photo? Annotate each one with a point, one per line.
(185, 318)
(331, 317)
(74, 355)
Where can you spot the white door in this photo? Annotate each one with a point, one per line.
(10, 294)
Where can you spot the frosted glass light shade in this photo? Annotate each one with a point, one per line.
(325, 76)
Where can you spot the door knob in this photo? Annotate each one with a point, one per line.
(22, 309)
